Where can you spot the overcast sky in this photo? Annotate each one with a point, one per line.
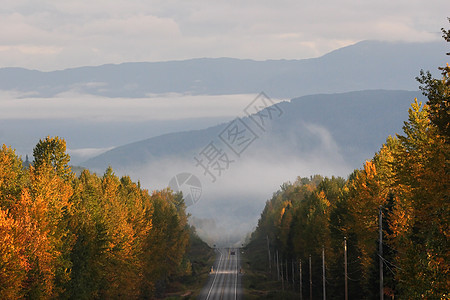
(48, 35)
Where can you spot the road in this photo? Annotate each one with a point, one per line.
(224, 281)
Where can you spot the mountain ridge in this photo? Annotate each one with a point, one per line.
(357, 115)
(364, 65)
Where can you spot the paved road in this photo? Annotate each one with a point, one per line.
(225, 280)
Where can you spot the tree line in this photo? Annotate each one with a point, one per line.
(408, 180)
(85, 237)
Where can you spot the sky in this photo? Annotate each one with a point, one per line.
(50, 35)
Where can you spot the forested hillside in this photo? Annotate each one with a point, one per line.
(86, 237)
(404, 189)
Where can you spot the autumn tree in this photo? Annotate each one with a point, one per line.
(12, 177)
(168, 240)
(421, 215)
(50, 190)
(13, 259)
(34, 211)
(88, 237)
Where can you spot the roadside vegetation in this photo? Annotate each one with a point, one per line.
(90, 236)
(401, 195)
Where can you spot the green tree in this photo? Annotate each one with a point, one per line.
(168, 240)
(438, 93)
(88, 255)
(52, 152)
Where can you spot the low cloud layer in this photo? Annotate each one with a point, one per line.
(101, 109)
(92, 124)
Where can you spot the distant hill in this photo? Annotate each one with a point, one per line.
(356, 122)
(327, 134)
(365, 65)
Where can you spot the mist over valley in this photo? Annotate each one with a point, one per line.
(150, 120)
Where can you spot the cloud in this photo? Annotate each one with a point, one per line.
(235, 201)
(86, 153)
(72, 105)
(52, 35)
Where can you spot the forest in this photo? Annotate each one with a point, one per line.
(400, 195)
(103, 237)
(85, 237)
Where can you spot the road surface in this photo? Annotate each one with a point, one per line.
(224, 281)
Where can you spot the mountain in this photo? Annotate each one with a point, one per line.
(348, 102)
(327, 134)
(357, 122)
(365, 65)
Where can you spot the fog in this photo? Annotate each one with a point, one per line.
(72, 105)
(229, 208)
(92, 124)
